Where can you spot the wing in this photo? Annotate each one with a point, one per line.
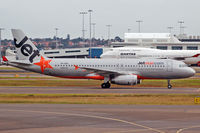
(105, 72)
(102, 72)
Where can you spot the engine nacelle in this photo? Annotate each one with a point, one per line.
(126, 80)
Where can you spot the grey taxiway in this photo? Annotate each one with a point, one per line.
(97, 90)
(69, 118)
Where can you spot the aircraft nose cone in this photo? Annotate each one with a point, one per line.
(191, 72)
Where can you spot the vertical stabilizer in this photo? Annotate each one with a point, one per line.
(26, 50)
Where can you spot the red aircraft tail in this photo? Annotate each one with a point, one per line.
(4, 58)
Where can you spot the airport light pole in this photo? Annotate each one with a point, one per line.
(90, 24)
(93, 24)
(56, 36)
(183, 27)
(170, 29)
(108, 31)
(139, 21)
(83, 23)
(90, 17)
(180, 22)
(0, 44)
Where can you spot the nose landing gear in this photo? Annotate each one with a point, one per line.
(169, 86)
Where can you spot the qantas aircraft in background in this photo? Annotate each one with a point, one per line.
(116, 71)
(190, 57)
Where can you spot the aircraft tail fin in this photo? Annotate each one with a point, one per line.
(196, 55)
(26, 50)
(5, 59)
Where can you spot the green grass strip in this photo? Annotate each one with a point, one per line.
(55, 82)
(128, 99)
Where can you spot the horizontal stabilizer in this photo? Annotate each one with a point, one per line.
(19, 62)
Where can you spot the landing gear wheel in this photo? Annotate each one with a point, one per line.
(169, 85)
(105, 85)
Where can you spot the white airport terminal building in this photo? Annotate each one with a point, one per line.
(164, 41)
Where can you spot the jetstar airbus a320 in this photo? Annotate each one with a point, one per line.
(116, 71)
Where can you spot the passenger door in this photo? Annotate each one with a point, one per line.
(169, 66)
(120, 66)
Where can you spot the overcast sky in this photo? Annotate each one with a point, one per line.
(38, 18)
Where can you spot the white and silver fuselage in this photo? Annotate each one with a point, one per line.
(143, 68)
(187, 56)
(116, 71)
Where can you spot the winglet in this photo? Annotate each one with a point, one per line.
(4, 58)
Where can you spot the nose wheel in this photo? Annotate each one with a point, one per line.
(105, 85)
(169, 86)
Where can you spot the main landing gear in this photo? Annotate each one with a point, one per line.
(169, 86)
(105, 85)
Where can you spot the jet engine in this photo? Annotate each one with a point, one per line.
(126, 80)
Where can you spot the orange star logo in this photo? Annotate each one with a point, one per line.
(44, 64)
(76, 67)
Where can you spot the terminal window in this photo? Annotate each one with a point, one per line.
(162, 47)
(117, 46)
(192, 47)
(72, 51)
(132, 40)
(53, 52)
(147, 40)
(162, 40)
(177, 47)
